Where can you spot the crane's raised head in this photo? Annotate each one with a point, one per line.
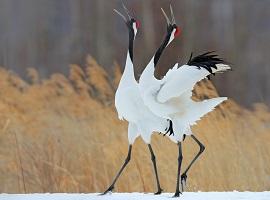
(172, 32)
(172, 29)
(132, 24)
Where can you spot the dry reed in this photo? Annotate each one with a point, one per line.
(70, 139)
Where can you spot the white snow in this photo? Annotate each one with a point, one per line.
(141, 196)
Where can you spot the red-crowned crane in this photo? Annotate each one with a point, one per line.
(130, 106)
(170, 97)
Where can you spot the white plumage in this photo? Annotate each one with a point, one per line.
(149, 104)
(171, 97)
(130, 106)
(182, 79)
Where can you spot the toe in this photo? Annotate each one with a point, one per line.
(177, 194)
(159, 192)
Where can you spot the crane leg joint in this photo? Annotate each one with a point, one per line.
(153, 157)
(202, 148)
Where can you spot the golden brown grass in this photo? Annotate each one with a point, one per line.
(63, 135)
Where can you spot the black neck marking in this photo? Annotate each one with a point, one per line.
(131, 35)
(130, 44)
(163, 44)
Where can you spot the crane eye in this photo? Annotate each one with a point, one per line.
(137, 24)
(177, 32)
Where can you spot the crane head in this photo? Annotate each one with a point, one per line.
(172, 29)
(132, 24)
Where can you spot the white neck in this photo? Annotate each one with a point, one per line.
(172, 37)
(148, 75)
(128, 74)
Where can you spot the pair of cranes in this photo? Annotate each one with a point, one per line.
(165, 105)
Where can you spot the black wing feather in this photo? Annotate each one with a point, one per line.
(206, 60)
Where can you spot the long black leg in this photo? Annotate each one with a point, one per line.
(110, 189)
(153, 158)
(184, 175)
(180, 158)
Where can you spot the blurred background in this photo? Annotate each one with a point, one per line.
(61, 62)
(49, 35)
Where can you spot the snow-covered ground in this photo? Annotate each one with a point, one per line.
(141, 196)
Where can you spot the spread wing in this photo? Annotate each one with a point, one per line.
(182, 79)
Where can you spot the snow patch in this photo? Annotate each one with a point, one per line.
(141, 196)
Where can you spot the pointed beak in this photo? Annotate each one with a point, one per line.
(166, 17)
(127, 11)
(169, 22)
(172, 14)
(120, 14)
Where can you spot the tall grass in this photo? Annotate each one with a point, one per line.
(69, 139)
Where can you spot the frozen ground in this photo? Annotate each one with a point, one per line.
(141, 196)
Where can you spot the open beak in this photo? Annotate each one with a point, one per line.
(172, 15)
(169, 22)
(166, 17)
(121, 15)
